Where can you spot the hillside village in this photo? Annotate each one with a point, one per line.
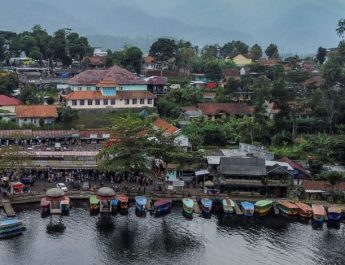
(262, 123)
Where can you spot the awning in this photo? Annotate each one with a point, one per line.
(201, 172)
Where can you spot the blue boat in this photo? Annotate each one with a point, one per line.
(162, 207)
(206, 207)
(114, 203)
(334, 214)
(140, 205)
(247, 208)
(11, 227)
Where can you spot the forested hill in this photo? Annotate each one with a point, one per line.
(295, 25)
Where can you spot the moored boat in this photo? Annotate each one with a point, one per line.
(11, 227)
(94, 204)
(114, 204)
(206, 206)
(287, 208)
(45, 207)
(65, 205)
(187, 208)
(247, 208)
(263, 207)
(123, 203)
(334, 214)
(318, 213)
(162, 207)
(228, 206)
(140, 205)
(304, 210)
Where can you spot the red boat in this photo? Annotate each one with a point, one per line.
(304, 210)
(45, 207)
(162, 207)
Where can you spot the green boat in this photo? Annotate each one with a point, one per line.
(228, 206)
(263, 207)
(94, 204)
(187, 207)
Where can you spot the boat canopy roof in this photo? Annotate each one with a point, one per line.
(247, 205)
(288, 204)
(188, 202)
(334, 210)
(304, 207)
(141, 200)
(161, 202)
(7, 222)
(122, 198)
(206, 202)
(318, 209)
(93, 199)
(228, 202)
(263, 203)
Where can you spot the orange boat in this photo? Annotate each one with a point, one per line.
(318, 213)
(287, 208)
(123, 202)
(304, 210)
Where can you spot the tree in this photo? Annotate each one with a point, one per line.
(50, 100)
(8, 84)
(128, 149)
(210, 52)
(2, 49)
(334, 178)
(321, 54)
(233, 48)
(42, 39)
(256, 52)
(27, 41)
(272, 51)
(213, 71)
(35, 53)
(341, 28)
(29, 95)
(132, 59)
(67, 115)
(185, 57)
(163, 50)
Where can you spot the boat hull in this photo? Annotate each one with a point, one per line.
(206, 208)
(334, 217)
(162, 209)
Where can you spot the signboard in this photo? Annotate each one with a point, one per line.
(106, 135)
(201, 172)
(93, 136)
(178, 183)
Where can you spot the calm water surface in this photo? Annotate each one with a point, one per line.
(171, 240)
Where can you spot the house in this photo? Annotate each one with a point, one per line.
(188, 114)
(240, 60)
(102, 99)
(198, 77)
(36, 114)
(299, 171)
(223, 110)
(157, 84)
(313, 83)
(94, 62)
(124, 79)
(8, 107)
(170, 130)
(99, 52)
(149, 63)
(242, 174)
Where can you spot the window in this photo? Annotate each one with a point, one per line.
(134, 101)
(112, 102)
(126, 101)
(149, 101)
(97, 102)
(79, 88)
(105, 102)
(89, 102)
(142, 101)
(81, 102)
(74, 103)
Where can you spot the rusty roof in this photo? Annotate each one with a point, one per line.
(36, 111)
(165, 126)
(8, 101)
(228, 108)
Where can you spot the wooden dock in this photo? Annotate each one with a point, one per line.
(8, 209)
(237, 210)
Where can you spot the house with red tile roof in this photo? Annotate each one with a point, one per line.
(180, 140)
(35, 114)
(223, 110)
(299, 171)
(8, 107)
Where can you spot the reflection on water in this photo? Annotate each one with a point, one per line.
(171, 240)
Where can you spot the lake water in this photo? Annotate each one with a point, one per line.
(171, 240)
